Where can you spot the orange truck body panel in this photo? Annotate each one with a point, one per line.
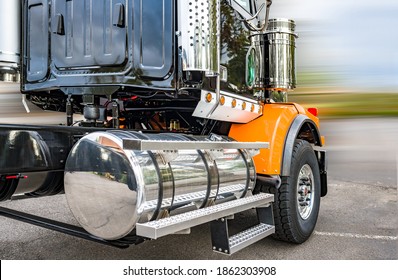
(273, 127)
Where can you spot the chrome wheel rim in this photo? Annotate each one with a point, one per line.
(305, 191)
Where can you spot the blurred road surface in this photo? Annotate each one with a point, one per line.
(363, 150)
(12, 110)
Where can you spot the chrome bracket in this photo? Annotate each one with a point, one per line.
(167, 155)
(214, 154)
(253, 152)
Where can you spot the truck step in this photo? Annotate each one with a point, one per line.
(173, 224)
(223, 243)
(248, 237)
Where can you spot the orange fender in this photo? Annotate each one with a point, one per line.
(274, 126)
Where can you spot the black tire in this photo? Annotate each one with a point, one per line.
(294, 224)
(7, 187)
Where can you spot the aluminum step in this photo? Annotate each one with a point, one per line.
(223, 243)
(173, 224)
(248, 237)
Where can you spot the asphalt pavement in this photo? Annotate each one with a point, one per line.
(357, 220)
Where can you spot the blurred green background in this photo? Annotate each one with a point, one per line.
(346, 55)
(317, 90)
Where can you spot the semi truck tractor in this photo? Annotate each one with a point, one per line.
(176, 115)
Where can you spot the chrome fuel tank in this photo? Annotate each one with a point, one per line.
(109, 189)
(10, 25)
(31, 184)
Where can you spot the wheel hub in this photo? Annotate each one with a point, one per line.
(305, 201)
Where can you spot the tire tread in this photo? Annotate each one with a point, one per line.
(283, 219)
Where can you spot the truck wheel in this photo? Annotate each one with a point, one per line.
(297, 200)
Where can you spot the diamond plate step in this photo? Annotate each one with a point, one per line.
(173, 224)
(249, 236)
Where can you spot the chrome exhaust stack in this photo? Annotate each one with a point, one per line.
(271, 62)
(198, 35)
(114, 180)
(280, 55)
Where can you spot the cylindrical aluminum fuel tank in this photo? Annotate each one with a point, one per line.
(10, 34)
(109, 189)
(31, 184)
(41, 184)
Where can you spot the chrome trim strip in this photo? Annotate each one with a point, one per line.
(156, 145)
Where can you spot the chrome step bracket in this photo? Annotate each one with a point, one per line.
(154, 145)
(173, 224)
